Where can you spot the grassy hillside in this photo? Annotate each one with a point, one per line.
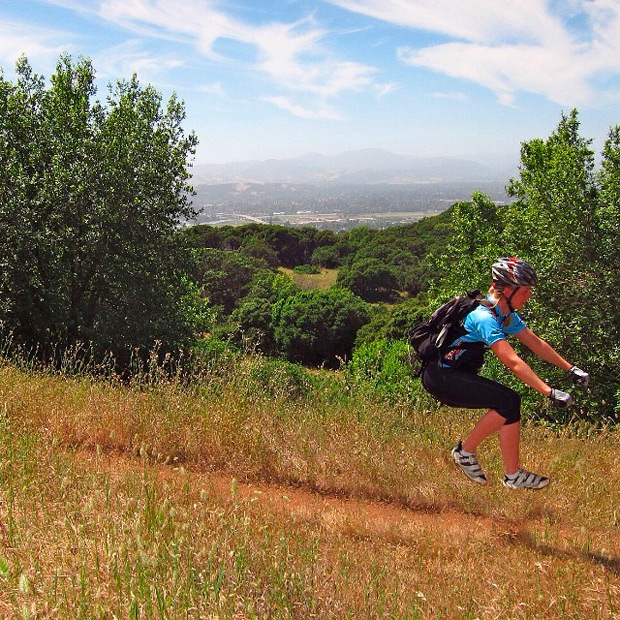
(313, 281)
(245, 498)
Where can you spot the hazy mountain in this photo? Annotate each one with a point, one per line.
(366, 166)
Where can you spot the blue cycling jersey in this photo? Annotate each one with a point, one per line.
(484, 325)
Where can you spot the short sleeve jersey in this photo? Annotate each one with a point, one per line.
(486, 326)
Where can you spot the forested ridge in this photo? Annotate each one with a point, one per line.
(94, 257)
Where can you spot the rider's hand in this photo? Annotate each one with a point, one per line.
(560, 399)
(579, 377)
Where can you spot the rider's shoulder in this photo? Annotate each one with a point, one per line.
(482, 313)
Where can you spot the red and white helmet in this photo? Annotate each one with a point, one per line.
(513, 272)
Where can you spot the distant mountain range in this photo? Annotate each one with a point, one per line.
(361, 167)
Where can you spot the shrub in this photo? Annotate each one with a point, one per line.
(279, 379)
(382, 368)
(395, 323)
(213, 355)
(307, 269)
(318, 327)
(369, 278)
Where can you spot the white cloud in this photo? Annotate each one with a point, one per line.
(455, 96)
(321, 113)
(381, 90)
(41, 46)
(511, 47)
(604, 50)
(509, 69)
(215, 88)
(485, 21)
(194, 22)
(130, 57)
(292, 55)
(506, 70)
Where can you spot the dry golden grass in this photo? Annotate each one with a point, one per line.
(313, 281)
(218, 502)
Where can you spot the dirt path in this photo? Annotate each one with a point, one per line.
(392, 523)
(349, 514)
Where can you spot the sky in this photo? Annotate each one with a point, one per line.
(266, 79)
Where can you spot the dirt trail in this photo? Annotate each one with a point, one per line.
(398, 525)
(363, 517)
(388, 522)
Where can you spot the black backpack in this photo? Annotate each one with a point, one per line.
(431, 339)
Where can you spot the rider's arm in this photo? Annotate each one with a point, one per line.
(508, 356)
(542, 349)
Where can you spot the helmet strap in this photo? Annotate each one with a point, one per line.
(509, 299)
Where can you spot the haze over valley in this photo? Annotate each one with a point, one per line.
(370, 186)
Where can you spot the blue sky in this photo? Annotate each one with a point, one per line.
(280, 78)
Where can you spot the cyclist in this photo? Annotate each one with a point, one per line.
(455, 382)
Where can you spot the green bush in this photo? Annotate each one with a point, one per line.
(396, 322)
(227, 276)
(212, 354)
(307, 269)
(383, 368)
(252, 321)
(318, 327)
(279, 379)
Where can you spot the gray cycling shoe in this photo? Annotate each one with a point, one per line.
(468, 463)
(526, 480)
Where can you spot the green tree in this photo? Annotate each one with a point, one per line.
(91, 195)
(607, 285)
(226, 276)
(475, 244)
(257, 248)
(557, 223)
(609, 211)
(554, 216)
(326, 256)
(252, 316)
(318, 327)
(369, 278)
(202, 236)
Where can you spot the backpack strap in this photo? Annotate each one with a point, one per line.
(473, 346)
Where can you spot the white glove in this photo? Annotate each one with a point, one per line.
(560, 399)
(579, 377)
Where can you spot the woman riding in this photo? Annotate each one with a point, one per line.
(455, 382)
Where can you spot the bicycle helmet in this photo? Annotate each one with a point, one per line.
(513, 272)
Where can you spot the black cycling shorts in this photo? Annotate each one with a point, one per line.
(459, 388)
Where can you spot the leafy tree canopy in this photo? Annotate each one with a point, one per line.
(369, 278)
(91, 194)
(318, 327)
(226, 276)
